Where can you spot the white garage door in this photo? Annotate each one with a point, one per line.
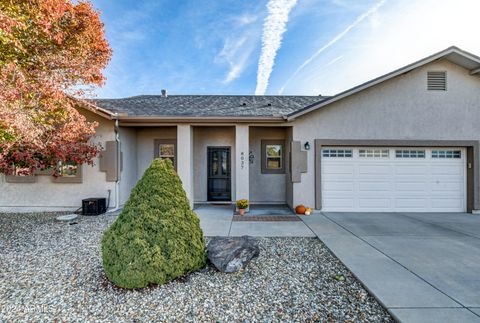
(393, 179)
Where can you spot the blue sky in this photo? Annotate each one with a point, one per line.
(298, 47)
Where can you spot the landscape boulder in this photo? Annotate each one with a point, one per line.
(230, 255)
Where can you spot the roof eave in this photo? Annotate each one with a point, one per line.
(292, 116)
(475, 71)
(95, 109)
(133, 120)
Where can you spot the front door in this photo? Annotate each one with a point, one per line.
(219, 170)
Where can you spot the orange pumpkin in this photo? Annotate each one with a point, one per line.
(300, 209)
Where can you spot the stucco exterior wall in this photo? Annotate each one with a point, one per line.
(289, 184)
(44, 195)
(400, 108)
(204, 137)
(128, 167)
(266, 187)
(145, 145)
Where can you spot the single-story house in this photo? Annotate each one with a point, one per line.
(405, 141)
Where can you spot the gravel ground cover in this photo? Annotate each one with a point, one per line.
(51, 270)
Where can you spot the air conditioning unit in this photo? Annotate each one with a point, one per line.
(94, 206)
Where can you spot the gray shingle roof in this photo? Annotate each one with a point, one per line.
(208, 105)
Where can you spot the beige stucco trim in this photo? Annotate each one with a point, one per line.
(20, 179)
(473, 180)
(298, 163)
(109, 161)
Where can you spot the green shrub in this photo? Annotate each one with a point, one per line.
(157, 237)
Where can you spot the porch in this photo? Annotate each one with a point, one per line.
(218, 220)
(216, 163)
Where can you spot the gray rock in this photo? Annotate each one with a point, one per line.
(230, 255)
(67, 217)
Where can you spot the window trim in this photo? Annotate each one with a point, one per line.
(20, 179)
(264, 144)
(78, 178)
(156, 149)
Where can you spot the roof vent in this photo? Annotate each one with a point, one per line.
(269, 104)
(437, 81)
(244, 104)
(164, 93)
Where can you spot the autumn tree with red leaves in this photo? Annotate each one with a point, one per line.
(52, 52)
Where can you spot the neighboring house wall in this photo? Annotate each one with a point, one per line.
(44, 195)
(267, 187)
(146, 144)
(128, 148)
(204, 137)
(400, 108)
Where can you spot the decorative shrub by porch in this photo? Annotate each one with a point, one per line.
(157, 237)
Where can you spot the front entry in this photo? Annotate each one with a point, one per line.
(219, 174)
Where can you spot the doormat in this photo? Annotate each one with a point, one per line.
(266, 218)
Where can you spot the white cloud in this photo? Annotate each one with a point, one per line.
(408, 32)
(246, 19)
(235, 52)
(372, 10)
(273, 29)
(333, 61)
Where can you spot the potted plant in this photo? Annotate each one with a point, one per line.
(242, 205)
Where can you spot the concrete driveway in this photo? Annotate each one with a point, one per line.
(421, 267)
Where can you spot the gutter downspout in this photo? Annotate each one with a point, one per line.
(117, 182)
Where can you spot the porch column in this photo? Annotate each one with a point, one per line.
(185, 159)
(241, 162)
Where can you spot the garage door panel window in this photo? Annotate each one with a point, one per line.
(341, 153)
(446, 154)
(406, 153)
(373, 153)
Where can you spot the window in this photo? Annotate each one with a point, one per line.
(437, 81)
(446, 154)
(19, 176)
(406, 153)
(373, 153)
(69, 172)
(68, 169)
(166, 149)
(273, 157)
(342, 153)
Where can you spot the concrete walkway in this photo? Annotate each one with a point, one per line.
(216, 220)
(421, 267)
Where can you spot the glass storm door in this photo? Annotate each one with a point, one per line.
(219, 170)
